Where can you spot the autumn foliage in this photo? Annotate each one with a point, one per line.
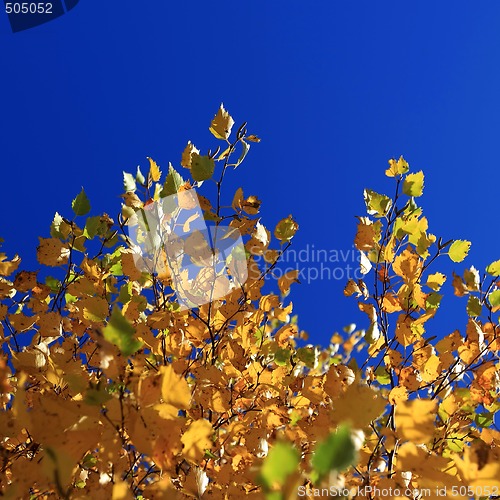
(109, 390)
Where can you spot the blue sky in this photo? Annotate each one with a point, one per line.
(334, 89)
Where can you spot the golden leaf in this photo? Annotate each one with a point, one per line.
(154, 170)
(51, 252)
(415, 420)
(8, 267)
(174, 388)
(197, 439)
(287, 280)
(358, 404)
(222, 124)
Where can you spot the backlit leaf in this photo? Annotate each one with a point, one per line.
(202, 167)
(197, 439)
(129, 182)
(397, 167)
(459, 250)
(280, 463)
(474, 307)
(81, 204)
(173, 182)
(154, 170)
(494, 268)
(377, 204)
(494, 298)
(336, 453)
(286, 229)
(121, 333)
(413, 184)
(222, 124)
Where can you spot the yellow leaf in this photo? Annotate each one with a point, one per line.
(480, 466)
(287, 280)
(398, 395)
(187, 154)
(434, 472)
(197, 439)
(221, 124)
(390, 304)
(415, 420)
(359, 404)
(432, 369)
(121, 491)
(174, 388)
(435, 281)
(368, 234)
(397, 167)
(407, 265)
(7, 268)
(414, 184)
(154, 170)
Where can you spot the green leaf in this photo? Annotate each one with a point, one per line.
(121, 333)
(139, 177)
(286, 229)
(494, 298)
(244, 152)
(125, 293)
(281, 461)
(96, 396)
(494, 268)
(282, 357)
(91, 227)
(129, 182)
(474, 307)
(53, 283)
(484, 419)
(81, 204)
(336, 452)
(433, 301)
(413, 184)
(383, 378)
(307, 356)
(173, 182)
(202, 167)
(89, 461)
(376, 204)
(459, 250)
